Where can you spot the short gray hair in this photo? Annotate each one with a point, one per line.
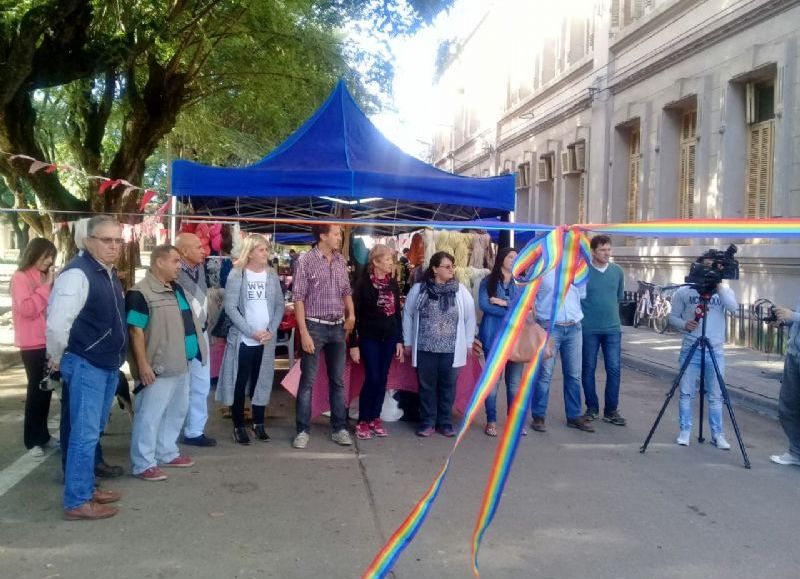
(99, 221)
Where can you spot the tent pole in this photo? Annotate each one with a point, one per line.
(506, 237)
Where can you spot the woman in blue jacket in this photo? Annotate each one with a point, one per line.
(496, 293)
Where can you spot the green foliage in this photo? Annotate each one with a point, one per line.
(119, 89)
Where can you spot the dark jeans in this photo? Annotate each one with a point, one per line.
(376, 355)
(611, 344)
(246, 378)
(789, 402)
(437, 388)
(65, 430)
(330, 340)
(37, 402)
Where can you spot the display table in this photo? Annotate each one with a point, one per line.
(402, 376)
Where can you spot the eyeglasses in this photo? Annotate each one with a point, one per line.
(108, 240)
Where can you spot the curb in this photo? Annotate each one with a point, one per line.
(739, 395)
(8, 358)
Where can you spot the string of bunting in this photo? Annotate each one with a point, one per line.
(106, 183)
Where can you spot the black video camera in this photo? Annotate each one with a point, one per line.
(711, 268)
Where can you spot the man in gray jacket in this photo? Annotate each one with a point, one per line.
(686, 316)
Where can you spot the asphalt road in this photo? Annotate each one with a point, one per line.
(577, 505)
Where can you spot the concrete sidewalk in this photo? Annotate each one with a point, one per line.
(752, 377)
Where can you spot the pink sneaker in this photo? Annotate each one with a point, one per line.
(152, 474)
(378, 428)
(180, 461)
(363, 431)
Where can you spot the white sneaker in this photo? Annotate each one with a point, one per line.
(342, 437)
(36, 452)
(52, 443)
(786, 458)
(720, 442)
(301, 440)
(683, 437)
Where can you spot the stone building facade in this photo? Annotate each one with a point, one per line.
(635, 110)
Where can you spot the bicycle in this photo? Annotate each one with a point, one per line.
(654, 303)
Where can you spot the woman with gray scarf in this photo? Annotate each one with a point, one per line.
(438, 328)
(254, 304)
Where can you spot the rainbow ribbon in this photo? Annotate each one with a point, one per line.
(745, 228)
(537, 259)
(569, 251)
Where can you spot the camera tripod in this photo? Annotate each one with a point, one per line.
(704, 346)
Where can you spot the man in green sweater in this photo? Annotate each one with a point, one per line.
(601, 329)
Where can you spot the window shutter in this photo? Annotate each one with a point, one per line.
(615, 9)
(758, 202)
(633, 175)
(686, 180)
(688, 152)
(582, 198)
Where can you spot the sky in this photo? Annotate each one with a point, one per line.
(411, 121)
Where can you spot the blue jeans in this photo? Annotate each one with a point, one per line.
(437, 388)
(567, 342)
(611, 343)
(376, 355)
(159, 414)
(330, 340)
(91, 392)
(65, 428)
(513, 376)
(789, 403)
(689, 386)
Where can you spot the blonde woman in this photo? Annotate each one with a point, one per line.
(377, 337)
(254, 304)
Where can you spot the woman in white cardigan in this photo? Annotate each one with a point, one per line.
(438, 328)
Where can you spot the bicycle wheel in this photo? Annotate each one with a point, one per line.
(661, 323)
(637, 315)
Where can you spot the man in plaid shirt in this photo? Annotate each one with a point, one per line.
(323, 306)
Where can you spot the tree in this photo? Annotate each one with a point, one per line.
(102, 84)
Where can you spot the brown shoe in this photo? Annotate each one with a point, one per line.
(580, 423)
(538, 424)
(105, 496)
(90, 511)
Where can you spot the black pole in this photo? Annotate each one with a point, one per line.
(505, 235)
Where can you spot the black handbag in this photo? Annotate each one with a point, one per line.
(223, 325)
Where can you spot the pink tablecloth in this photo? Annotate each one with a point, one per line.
(402, 376)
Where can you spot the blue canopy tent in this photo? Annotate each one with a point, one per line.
(338, 157)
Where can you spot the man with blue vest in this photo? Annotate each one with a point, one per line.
(87, 341)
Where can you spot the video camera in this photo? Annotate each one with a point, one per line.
(705, 277)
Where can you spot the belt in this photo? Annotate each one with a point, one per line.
(546, 323)
(326, 322)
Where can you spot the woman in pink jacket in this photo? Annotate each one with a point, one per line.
(30, 291)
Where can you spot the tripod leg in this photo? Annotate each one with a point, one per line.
(726, 399)
(670, 394)
(703, 349)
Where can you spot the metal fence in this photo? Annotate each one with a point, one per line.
(746, 327)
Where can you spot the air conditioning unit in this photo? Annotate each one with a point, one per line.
(544, 169)
(580, 156)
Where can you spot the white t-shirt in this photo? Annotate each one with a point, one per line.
(256, 311)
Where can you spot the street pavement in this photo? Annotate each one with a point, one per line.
(576, 505)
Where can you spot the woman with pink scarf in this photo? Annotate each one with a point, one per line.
(377, 337)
